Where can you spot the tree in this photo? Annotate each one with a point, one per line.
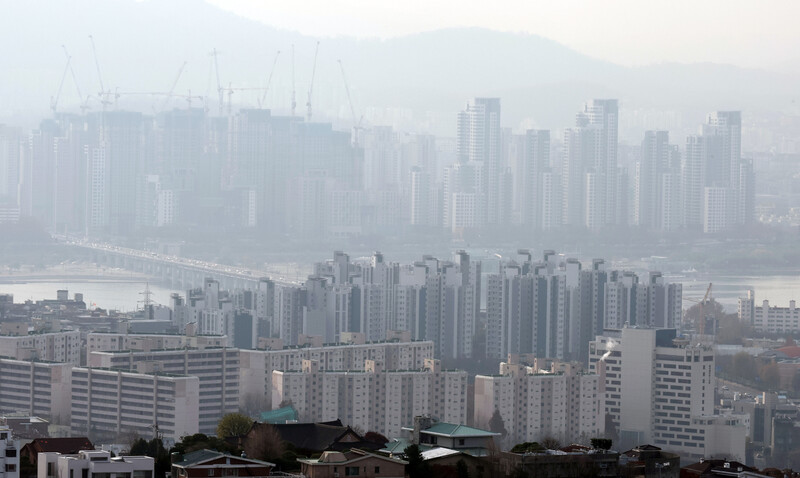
(417, 467)
(199, 441)
(551, 443)
(264, 443)
(154, 449)
(234, 425)
(770, 376)
(528, 447)
(744, 366)
(497, 425)
(601, 443)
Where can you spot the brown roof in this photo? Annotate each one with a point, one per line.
(70, 445)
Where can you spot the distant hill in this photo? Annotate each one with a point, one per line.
(141, 45)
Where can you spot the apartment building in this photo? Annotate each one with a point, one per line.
(767, 318)
(36, 389)
(217, 370)
(256, 366)
(561, 402)
(63, 346)
(373, 398)
(665, 387)
(9, 454)
(108, 404)
(111, 342)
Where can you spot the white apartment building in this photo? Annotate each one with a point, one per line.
(107, 403)
(36, 389)
(373, 398)
(256, 366)
(217, 370)
(63, 346)
(93, 463)
(766, 318)
(113, 342)
(9, 454)
(658, 389)
(534, 404)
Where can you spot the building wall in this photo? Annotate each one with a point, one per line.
(107, 403)
(216, 368)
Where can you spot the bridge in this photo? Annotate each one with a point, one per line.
(178, 272)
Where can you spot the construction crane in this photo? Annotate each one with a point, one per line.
(294, 101)
(172, 88)
(269, 80)
(103, 94)
(356, 124)
(311, 85)
(54, 99)
(231, 89)
(188, 97)
(83, 102)
(214, 54)
(700, 325)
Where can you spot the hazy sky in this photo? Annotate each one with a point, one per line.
(630, 32)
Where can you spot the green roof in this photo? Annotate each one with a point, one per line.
(280, 415)
(453, 430)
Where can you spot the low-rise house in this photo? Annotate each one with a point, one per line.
(649, 461)
(332, 464)
(95, 464)
(211, 463)
(63, 446)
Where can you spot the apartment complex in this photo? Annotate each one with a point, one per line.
(560, 402)
(767, 318)
(373, 398)
(112, 403)
(256, 366)
(659, 389)
(217, 370)
(554, 307)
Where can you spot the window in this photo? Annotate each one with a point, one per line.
(351, 471)
(11, 452)
(11, 467)
(461, 441)
(377, 470)
(210, 472)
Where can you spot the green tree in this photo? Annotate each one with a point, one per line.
(234, 425)
(417, 467)
(528, 447)
(199, 441)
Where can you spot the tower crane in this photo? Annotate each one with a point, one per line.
(269, 80)
(356, 124)
(214, 54)
(311, 85)
(103, 94)
(172, 88)
(294, 101)
(54, 99)
(83, 102)
(700, 325)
